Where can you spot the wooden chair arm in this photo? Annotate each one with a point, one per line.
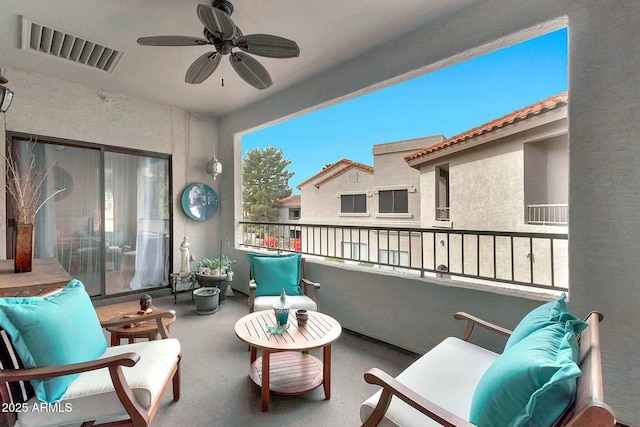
(252, 294)
(28, 374)
(308, 282)
(139, 415)
(472, 321)
(392, 387)
(157, 315)
(314, 286)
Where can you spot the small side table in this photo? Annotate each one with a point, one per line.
(143, 329)
(147, 330)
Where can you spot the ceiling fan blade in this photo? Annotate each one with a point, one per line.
(216, 21)
(202, 68)
(172, 41)
(250, 70)
(268, 45)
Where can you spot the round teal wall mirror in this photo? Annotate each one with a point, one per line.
(199, 202)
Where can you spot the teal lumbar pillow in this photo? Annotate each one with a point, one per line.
(54, 330)
(551, 313)
(273, 273)
(530, 384)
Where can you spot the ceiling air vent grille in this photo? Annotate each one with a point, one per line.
(45, 40)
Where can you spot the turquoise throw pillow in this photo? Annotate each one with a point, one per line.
(551, 313)
(273, 273)
(55, 330)
(530, 384)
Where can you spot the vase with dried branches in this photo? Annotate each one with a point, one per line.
(23, 183)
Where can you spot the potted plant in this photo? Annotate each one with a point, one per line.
(207, 299)
(215, 272)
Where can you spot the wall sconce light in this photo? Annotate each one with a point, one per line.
(6, 96)
(214, 167)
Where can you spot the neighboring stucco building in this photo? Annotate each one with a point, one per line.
(386, 194)
(510, 174)
(339, 193)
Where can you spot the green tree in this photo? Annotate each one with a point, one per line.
(265, 180)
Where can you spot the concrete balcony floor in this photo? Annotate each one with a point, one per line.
(217, 391)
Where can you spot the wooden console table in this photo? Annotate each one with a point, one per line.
(47, 275)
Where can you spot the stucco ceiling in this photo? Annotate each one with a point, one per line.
(328, 32)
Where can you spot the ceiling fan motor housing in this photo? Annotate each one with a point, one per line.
(223, 46)
(223, 5)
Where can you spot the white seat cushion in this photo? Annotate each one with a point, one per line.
(92, 396)
(298, 302)
(447, 375)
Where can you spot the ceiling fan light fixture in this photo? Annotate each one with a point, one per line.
(6, 95)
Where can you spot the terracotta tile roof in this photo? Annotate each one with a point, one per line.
(293, 200)
(334, 170)
(548, 104)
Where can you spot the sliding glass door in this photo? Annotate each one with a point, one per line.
(110, 227)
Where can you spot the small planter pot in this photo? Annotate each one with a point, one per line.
(220, 281)
(207, 300)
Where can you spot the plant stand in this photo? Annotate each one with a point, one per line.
(207, 300)
(181, 283)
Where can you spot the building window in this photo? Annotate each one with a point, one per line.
(442, 193)
(294, 213)
(294, 234)
(356, 251)
(393, 201)
(393, 257)
(353, 203)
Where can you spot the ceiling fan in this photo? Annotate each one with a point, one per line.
(224, 35)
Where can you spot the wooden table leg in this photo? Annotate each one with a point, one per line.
(266, 398)
(326, 371)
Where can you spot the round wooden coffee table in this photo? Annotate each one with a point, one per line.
(285, 366)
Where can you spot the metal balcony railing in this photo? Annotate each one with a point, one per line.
(549, 214)
(530, 259)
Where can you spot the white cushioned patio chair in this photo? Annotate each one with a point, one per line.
(56, 368)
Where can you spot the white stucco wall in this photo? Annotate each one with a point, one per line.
(60, 109)
(392, 172)
(603, 180)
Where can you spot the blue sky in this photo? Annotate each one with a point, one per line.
(446, 102)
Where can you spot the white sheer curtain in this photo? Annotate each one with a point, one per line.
(67, 227)
(44, 224)
(152, 255)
